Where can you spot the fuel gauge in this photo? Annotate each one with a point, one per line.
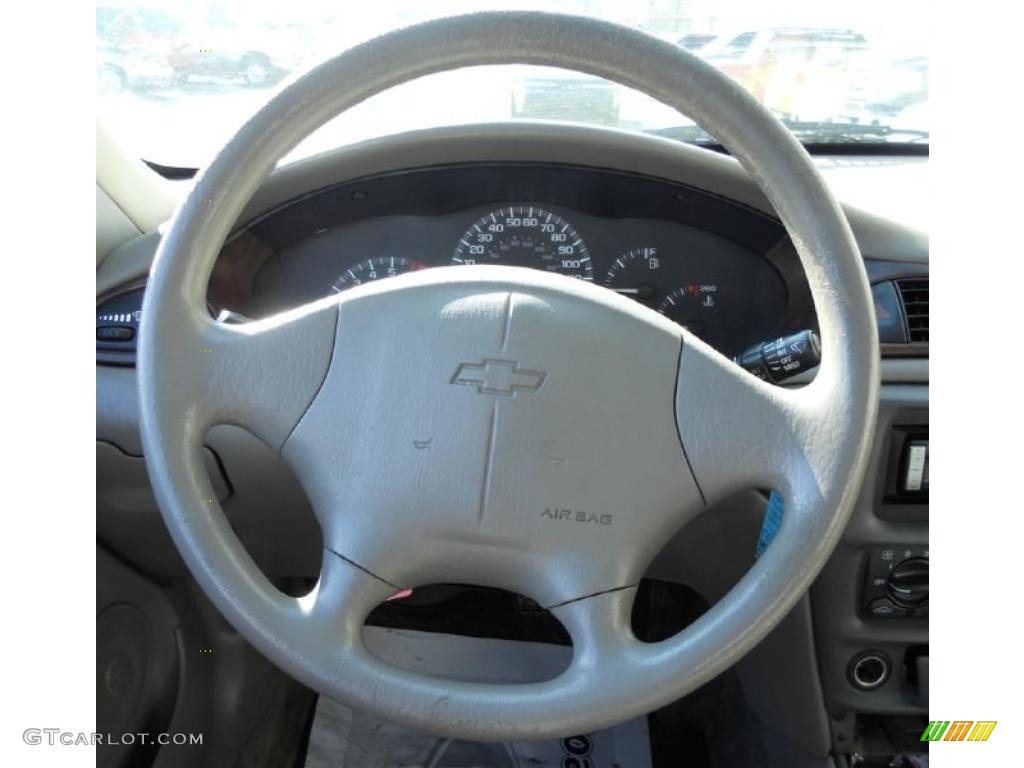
(635, 274)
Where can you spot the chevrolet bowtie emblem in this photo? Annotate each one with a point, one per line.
(503, 378)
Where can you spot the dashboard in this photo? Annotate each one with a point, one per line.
(718, 268)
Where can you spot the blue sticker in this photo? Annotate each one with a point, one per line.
(772, 522)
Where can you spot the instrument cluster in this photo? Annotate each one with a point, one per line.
(727, 295)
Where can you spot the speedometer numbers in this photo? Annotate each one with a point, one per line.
(525, 236)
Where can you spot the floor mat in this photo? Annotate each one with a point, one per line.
(344, 738)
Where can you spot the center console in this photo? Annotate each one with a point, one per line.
(871, 601)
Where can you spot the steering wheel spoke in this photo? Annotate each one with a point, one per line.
(264, 374)
(600, 628)
(342, 598)
(740, 432)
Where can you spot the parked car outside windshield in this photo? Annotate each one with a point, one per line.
(176, 79)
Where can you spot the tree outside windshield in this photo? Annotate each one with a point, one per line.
(176, 79)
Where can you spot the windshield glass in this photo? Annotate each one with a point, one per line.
(176, 79)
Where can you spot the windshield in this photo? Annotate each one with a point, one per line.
(176, 79)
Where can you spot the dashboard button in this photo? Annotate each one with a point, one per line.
(915, 476)
(884, 608)
(115, 333)
(908, 582)
(889, 314)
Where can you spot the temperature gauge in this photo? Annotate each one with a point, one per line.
(692, 306)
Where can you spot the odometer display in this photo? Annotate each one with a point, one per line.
(525, 236)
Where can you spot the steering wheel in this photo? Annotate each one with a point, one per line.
(501, 426)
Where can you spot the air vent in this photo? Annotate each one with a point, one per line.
(914, 293)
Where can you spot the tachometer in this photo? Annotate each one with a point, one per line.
(374, 269)
(525, 236)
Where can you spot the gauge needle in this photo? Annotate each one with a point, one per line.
(642, 291)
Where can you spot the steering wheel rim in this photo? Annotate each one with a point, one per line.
(288, 379)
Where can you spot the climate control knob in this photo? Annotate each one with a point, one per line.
(907, 583)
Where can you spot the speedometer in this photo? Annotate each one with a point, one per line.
(525, 236)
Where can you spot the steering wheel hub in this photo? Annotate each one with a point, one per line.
(497, 426)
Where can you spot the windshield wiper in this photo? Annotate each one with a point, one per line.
(823, 138)
(691, 134)
(847, 133)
